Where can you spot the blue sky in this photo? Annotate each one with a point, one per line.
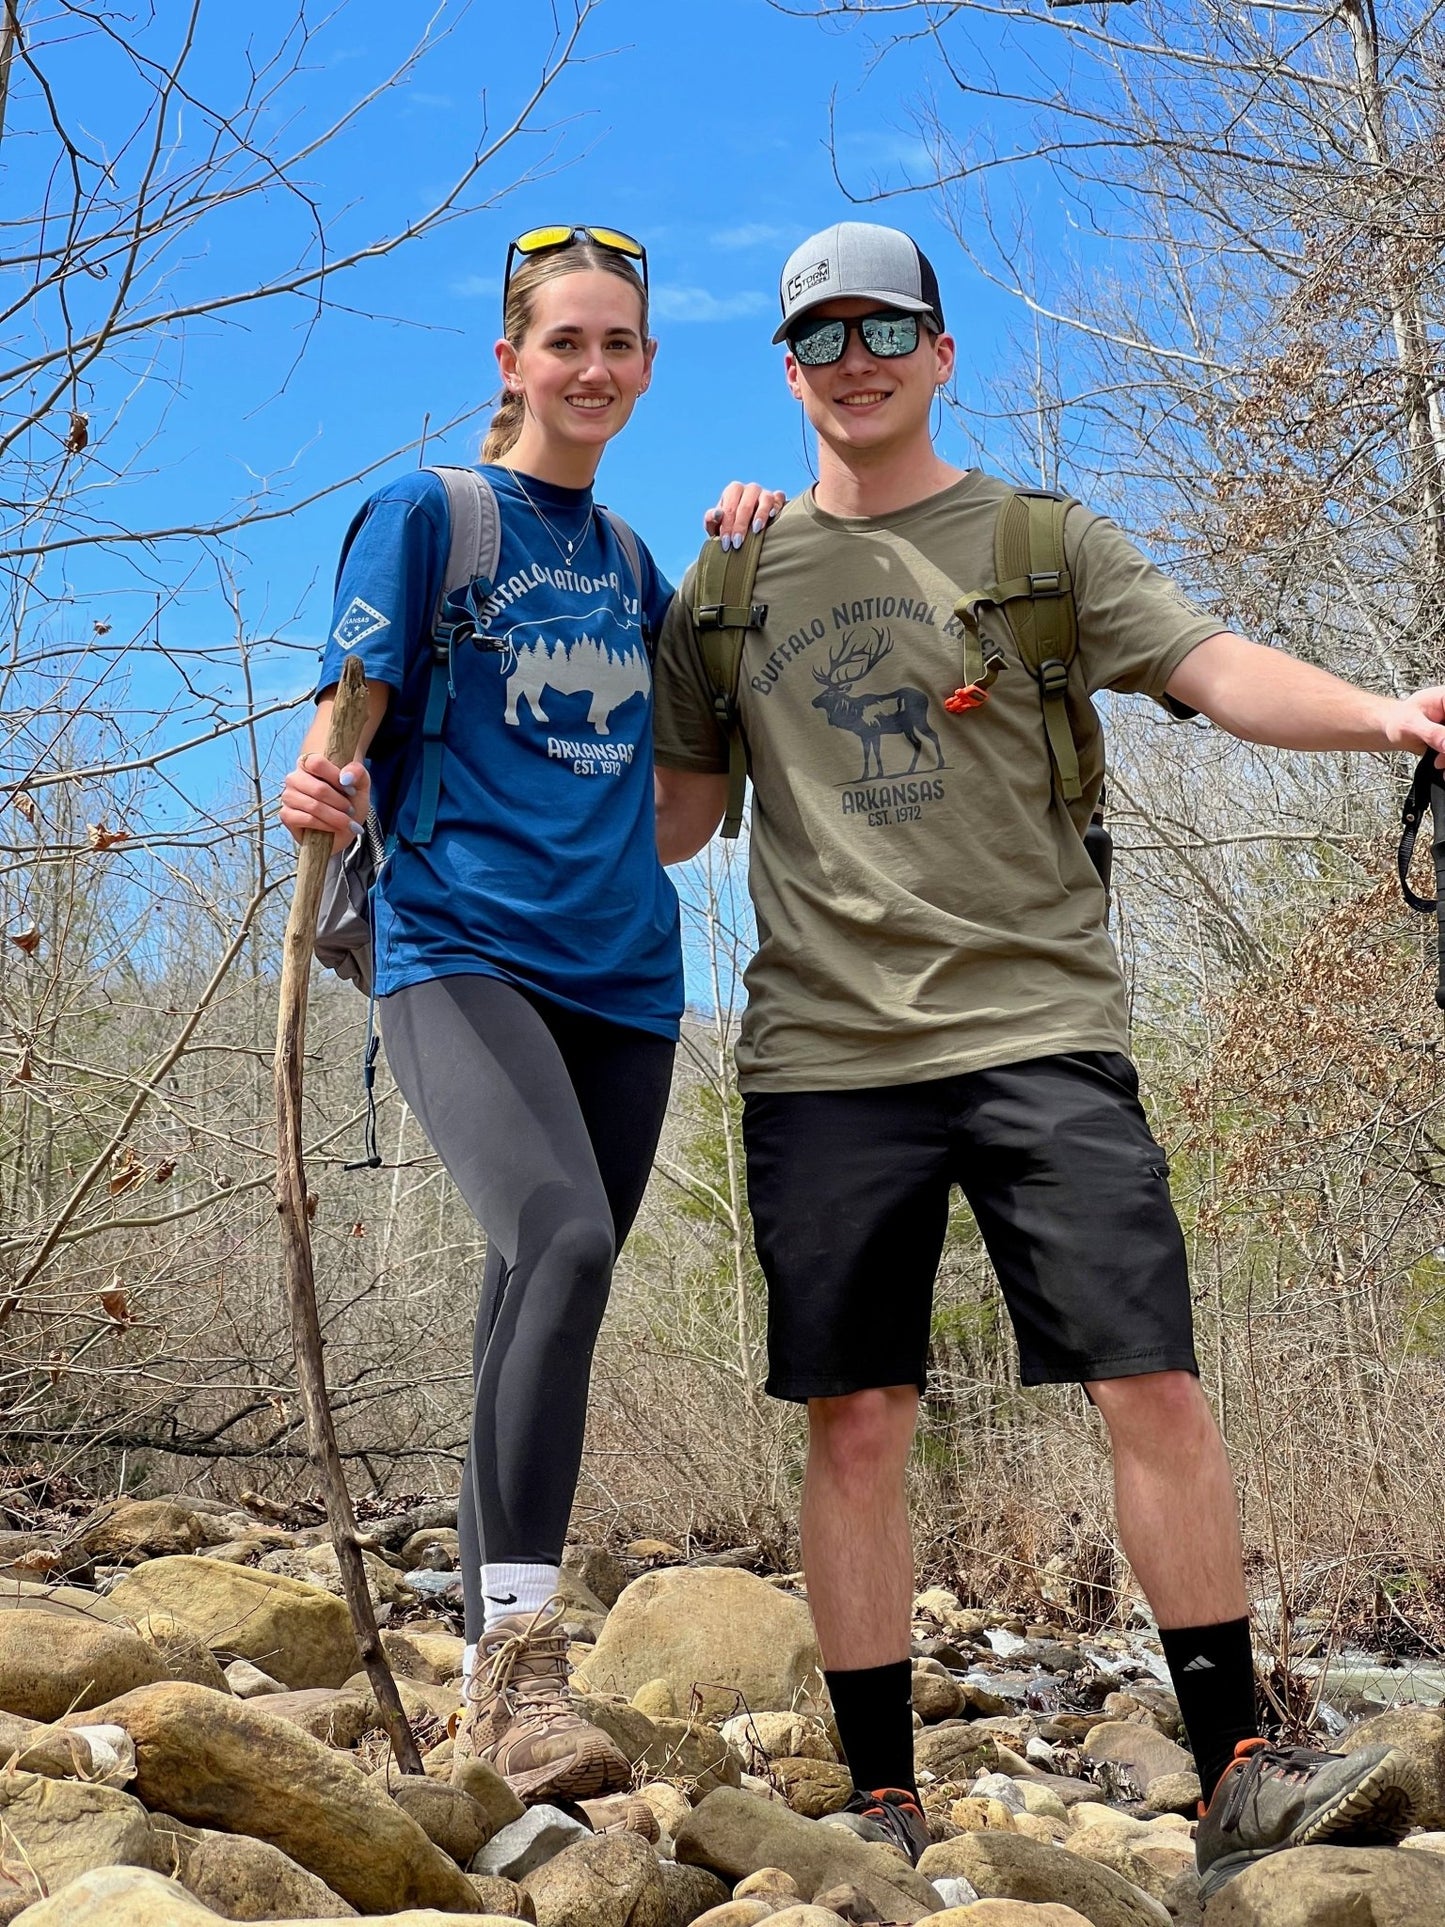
(703, 129)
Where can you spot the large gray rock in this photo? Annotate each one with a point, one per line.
(735, 1833)
(53, 1663)
(1419, 1732)
(1334, 1887)
(244, 1879)
(53, 1830)
(606, 1880)
(1011, 1866)
(524, 1845)
(713, 1628)
(298, 1633)
(224, 1763)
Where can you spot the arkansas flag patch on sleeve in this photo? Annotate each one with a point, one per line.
(359, 622)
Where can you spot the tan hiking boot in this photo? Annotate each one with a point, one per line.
(622, 1813)
(519, 1715)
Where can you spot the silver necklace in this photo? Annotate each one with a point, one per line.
(563, 547)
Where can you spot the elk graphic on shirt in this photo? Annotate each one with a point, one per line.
(585, 667)
(898, 712)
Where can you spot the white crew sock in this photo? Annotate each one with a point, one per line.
(469, 1665)
(508, 1590)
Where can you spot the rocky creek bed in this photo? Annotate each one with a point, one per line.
(187, 1736)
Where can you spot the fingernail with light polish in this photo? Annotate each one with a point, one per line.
(758, 525)
(356, 828)
(348, 781)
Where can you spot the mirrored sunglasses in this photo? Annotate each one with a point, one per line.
(538, 240)
(889, 335)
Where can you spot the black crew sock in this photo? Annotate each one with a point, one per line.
(1212, 1668)
(873, 1706)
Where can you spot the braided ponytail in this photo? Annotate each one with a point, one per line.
(506, 426)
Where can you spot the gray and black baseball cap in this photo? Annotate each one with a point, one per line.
(855, 258)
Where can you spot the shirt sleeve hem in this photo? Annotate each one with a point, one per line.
(1184, 644)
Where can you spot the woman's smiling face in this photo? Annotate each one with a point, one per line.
(584, 360)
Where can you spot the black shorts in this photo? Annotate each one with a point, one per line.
(849, 1193)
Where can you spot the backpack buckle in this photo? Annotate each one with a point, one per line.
(1053, 678)
(1047, 582)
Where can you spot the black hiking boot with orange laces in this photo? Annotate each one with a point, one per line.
(889, 1813)
(1271, 1797)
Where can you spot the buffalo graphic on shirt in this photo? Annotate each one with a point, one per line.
(586, 667)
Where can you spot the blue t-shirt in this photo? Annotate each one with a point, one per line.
(543, 867)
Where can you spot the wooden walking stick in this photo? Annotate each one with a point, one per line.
(347, 717)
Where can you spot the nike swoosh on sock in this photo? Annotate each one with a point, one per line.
(510, 1599)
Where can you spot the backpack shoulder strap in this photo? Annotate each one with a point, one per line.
(1035, 592)
(473, 551)
(723, 611)
(475, 547)
(627, 540)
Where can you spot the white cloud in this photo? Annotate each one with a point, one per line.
(674, 303)
(474, 286)
(753, 234)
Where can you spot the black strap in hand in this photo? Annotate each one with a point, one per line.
(1427, 796)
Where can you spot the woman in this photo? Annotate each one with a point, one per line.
(527, 953)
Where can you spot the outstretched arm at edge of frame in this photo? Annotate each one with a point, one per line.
(1267, 696)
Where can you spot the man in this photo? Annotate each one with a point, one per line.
(935, 1000)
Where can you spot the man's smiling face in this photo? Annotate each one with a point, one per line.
(865, 402)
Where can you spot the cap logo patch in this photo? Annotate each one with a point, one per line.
(812, 277)
(359, 622)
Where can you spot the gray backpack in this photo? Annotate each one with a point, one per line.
(343, 923)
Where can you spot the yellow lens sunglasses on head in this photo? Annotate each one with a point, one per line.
(538, 240)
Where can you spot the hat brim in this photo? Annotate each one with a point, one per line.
(906, 302)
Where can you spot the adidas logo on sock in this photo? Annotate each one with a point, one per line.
(1200, 1665)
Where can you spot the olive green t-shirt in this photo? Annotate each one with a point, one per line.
(925, 904)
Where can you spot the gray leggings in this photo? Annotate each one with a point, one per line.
(547, 1121)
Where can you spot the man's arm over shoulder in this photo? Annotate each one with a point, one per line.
(690, 745)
